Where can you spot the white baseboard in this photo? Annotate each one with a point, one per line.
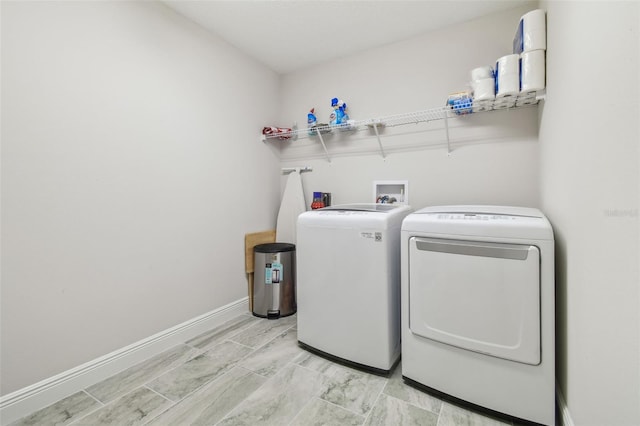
(31, 398)
(565, 416)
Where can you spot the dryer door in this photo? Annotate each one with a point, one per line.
(479, 296)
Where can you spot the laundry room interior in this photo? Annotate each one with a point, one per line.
(141, 147)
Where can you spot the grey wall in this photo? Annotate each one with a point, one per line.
(131, 170)
(494, 158)
(589, 133)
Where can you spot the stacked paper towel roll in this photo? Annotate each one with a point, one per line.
(531, 33)
(530, 42)
(518, 78)
(532, 71)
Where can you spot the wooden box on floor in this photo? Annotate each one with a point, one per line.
(250, 241)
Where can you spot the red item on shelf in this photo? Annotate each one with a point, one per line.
(282, 132)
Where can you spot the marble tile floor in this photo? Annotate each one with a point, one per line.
(250, 371)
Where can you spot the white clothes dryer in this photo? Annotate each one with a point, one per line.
(348, 283)
(478, 307)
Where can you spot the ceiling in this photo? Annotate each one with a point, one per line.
(295, 34)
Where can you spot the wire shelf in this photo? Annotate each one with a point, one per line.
(353, 125)
(425, 116)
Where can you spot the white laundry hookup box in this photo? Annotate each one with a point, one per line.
(391, 192)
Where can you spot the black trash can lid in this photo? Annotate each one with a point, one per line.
(274, 247)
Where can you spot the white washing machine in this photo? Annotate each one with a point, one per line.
(348, 283)
(478, 316)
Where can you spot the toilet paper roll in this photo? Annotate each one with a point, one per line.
(504, 105)
(481, 73)
(507, 65)
(532, 71)
(509, 102)
(484, 89)
(524, 102)
(531, 33)
(507, 86)
(481, 108)
(488, 102)
(508, 76)
(527, 95)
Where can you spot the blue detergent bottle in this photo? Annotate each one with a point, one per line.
(312, 121)
(339, 114)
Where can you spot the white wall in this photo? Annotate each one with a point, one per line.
(131, 171)
(589, 135)
(120, 142)
(494, 158)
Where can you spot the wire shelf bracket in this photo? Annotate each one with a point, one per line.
(375, 129)
(446, 129)
(324, 146)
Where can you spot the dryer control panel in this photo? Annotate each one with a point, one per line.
(473, 216)
(495, 221)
